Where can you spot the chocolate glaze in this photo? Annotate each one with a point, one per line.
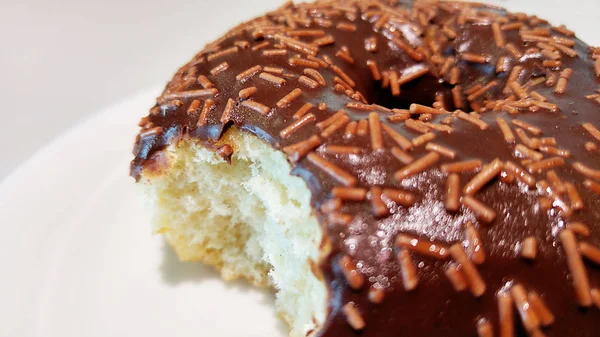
(434, 308)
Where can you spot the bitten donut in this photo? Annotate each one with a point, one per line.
(418, 169)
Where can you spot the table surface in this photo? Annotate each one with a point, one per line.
(64, 60)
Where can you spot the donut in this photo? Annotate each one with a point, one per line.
(390, 168)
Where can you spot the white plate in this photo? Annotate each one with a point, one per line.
(78, 258)
(76, 255)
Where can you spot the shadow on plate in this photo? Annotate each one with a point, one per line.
(174, 272)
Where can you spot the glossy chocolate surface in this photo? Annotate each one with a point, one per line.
(435, 32)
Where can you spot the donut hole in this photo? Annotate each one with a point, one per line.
(420, 91)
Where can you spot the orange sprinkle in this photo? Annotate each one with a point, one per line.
(512, 26)
(375, 131)
(555, 181)
(422, 139)
(453, 193)
(482, 211)
(303, 110)
(518, 90)
(475, 247)
(363, 127)
(344, 56)
(416, 125)
(219, 69)
(595, 293)
(244, 75)
(485, 89)
(258, 107)
(417, 166)
(505, 314)
(337, 218)
(335, 125)
(539, 307)
(529, 248)
(342, 149)
(485, 328)
(528, 315)
(590, 252)
(297, 151)
(456, 277)
(592, 186)
(190, 94)
(274, 52)
(247, 92)
(346, 26)
(336, 172)
(323, 41)
(532, 129)
(306, 32)
(193, 108)
(546, 164)
(379, 207)
(532, 143)
(295, 126)
(353, 316)
(300, 62)
(465, 116)
(593, 131)
(422, 109)
(564, 49)
(315, 75)
(308, 82)
(444, 151)
(457, 97)
(374, 70)
(322, 125)
(576, 201)
(226, 116)
(476, 283)
(400, 197)
(408, 49)
(514, 51)
(205, 82)
(591, 147)
(289, 98)
(474, 58)
(224, 52)
(522, 151)
(462, 167)
(514, 75)
(422, 247)
(579, 228)
(454, 76)
(408, 270)
(486, 175)
(278, 81)
(395, 87)
(209, 104)
(355, 278)
(376, 295)
(509, 137)
(404, 143)
(409, 77)
(343, 75)
(498, 35)
(578, 271)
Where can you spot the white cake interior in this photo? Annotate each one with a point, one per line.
(250, 219)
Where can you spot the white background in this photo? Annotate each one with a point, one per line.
(63, 60)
